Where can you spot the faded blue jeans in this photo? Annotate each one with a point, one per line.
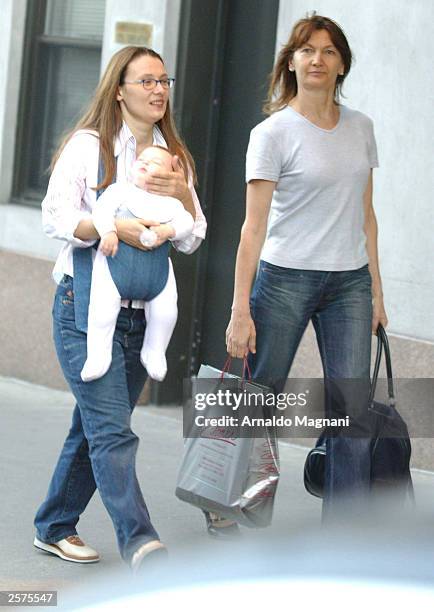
(339, 304)
(100, 449)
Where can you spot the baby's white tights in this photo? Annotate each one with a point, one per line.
(104, 306)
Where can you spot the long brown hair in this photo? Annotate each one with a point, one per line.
(104, 116)
(283, 83)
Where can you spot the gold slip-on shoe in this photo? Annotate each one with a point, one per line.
(148, 553)
(218, 527)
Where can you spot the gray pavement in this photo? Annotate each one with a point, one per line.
(33, 423)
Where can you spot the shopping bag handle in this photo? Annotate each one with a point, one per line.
(246, 368)
(382, 342)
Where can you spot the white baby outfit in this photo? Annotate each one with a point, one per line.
(125, 200)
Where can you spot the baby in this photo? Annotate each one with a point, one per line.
(139, 274)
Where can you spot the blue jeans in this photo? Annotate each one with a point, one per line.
(339, 304)
(100, 449)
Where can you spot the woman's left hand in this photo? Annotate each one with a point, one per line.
(378, 313)
(169, 183)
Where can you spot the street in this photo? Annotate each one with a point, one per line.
(34, 423)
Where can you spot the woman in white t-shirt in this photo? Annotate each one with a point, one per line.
(130, 111)
(309, 176)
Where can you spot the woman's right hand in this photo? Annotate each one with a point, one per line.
(241, 335)
(129, 231)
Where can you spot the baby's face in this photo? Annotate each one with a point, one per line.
(150, 160)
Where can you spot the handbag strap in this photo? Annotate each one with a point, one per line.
(246, 368)
(382, 343)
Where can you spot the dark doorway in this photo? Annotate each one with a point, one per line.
(225, 54)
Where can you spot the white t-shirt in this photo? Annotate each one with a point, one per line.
(316, 216)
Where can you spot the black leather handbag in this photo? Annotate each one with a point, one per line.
(390, 446)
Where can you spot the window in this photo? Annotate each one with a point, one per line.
(61, 70)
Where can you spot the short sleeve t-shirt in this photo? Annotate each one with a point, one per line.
(317, 216)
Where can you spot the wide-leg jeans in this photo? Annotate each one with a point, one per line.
(100, 449)
(339, 304)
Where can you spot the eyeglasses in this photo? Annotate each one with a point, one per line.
(149, 84)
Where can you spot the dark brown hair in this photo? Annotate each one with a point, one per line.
(283, 83)
(105, 117)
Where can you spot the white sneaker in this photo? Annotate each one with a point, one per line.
(71, 548)
(154, 548)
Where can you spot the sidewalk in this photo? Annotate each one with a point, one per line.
(34, 422)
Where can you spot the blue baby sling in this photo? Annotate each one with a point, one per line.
(137, 274)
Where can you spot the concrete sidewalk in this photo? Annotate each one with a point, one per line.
(34, 422)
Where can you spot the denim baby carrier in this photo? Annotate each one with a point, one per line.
(137, 274)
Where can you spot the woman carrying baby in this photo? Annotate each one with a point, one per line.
(129, 112)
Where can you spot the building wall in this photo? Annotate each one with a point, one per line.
(162, 14)
(391, 81)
